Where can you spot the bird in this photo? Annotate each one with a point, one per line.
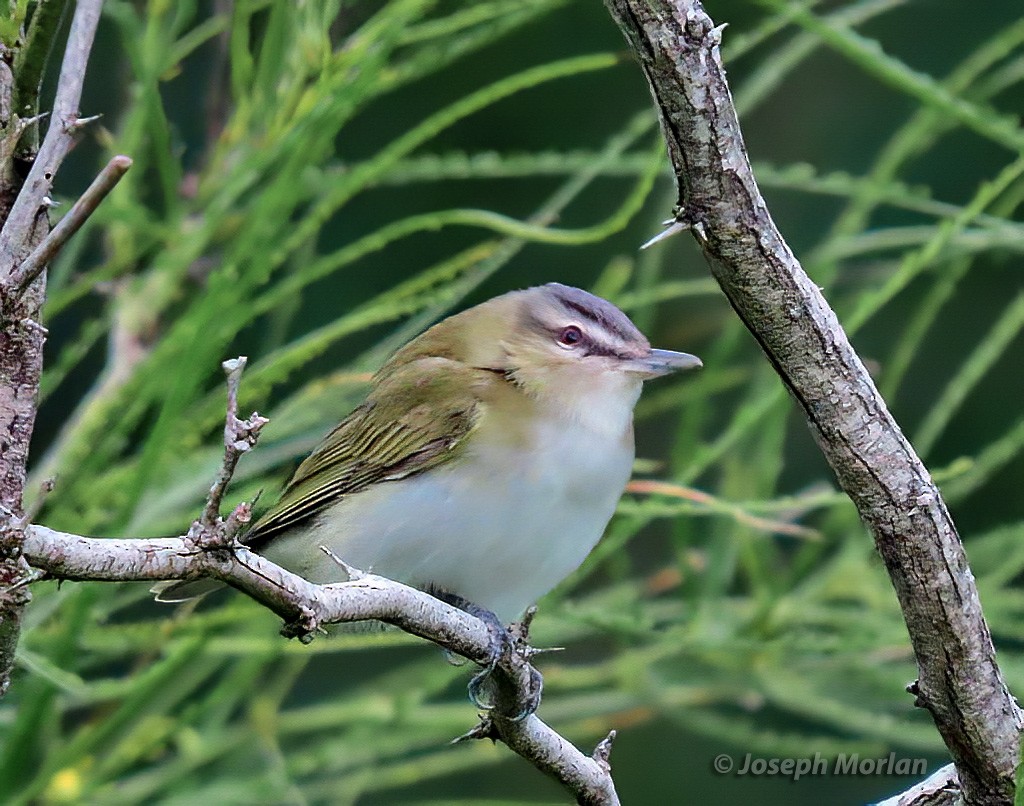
(484, 464)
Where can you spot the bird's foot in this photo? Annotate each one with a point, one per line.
(508, 645)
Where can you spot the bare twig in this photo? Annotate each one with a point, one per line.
(239, 437)
(960, 683)
(31, 59)
(938, 789)
(305, 606)
(26, 272)
(14, 238)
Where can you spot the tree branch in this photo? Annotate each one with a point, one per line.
(306, 607)
(938, 789)
(14, 237)
(31, 267)
(21, 334)
(211, 550)
(239, 437)
(677, 45)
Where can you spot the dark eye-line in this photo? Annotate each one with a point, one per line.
(570, 336)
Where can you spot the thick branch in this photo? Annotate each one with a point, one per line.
(938, 789)
(959, 681)
(21, 334)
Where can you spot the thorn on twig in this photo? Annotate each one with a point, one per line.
(352, 571)
(699, 231)
(32, 324)
(24, 123)
(32, 575)
(603, 752)
(532, 651)
(714, 36)
(673, 227)
(78, 124)
(484, 729)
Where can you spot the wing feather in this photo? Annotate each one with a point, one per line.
(415, 418)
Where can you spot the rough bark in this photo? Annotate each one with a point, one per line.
(959, 682)
(21, 363)
(25, 226)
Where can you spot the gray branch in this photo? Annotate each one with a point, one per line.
(30, 268)
(938, 789)
(14, 237)
(239, 437)
(306, 607)
(21, 333)
(960, 684)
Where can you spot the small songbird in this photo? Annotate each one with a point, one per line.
(486, 461)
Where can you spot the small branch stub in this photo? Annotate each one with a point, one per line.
(602, 753)
(239, 437)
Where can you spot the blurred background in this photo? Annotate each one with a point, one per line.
(309, 189)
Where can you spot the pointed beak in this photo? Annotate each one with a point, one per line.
(661, 362)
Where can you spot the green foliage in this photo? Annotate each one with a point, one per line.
(12, 22)
(309, 190)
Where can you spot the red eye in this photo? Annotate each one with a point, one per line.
(571, 336)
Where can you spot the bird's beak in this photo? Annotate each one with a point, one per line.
(661, 362)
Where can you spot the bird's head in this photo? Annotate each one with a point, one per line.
(560, 344)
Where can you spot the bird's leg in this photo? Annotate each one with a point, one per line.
(503, 643)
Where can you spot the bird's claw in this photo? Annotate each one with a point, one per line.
(476, 685)
(505, 644)
(502, 644)
(532, 698)
(508, 645)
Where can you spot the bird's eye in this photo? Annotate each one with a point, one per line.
(571, 336)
